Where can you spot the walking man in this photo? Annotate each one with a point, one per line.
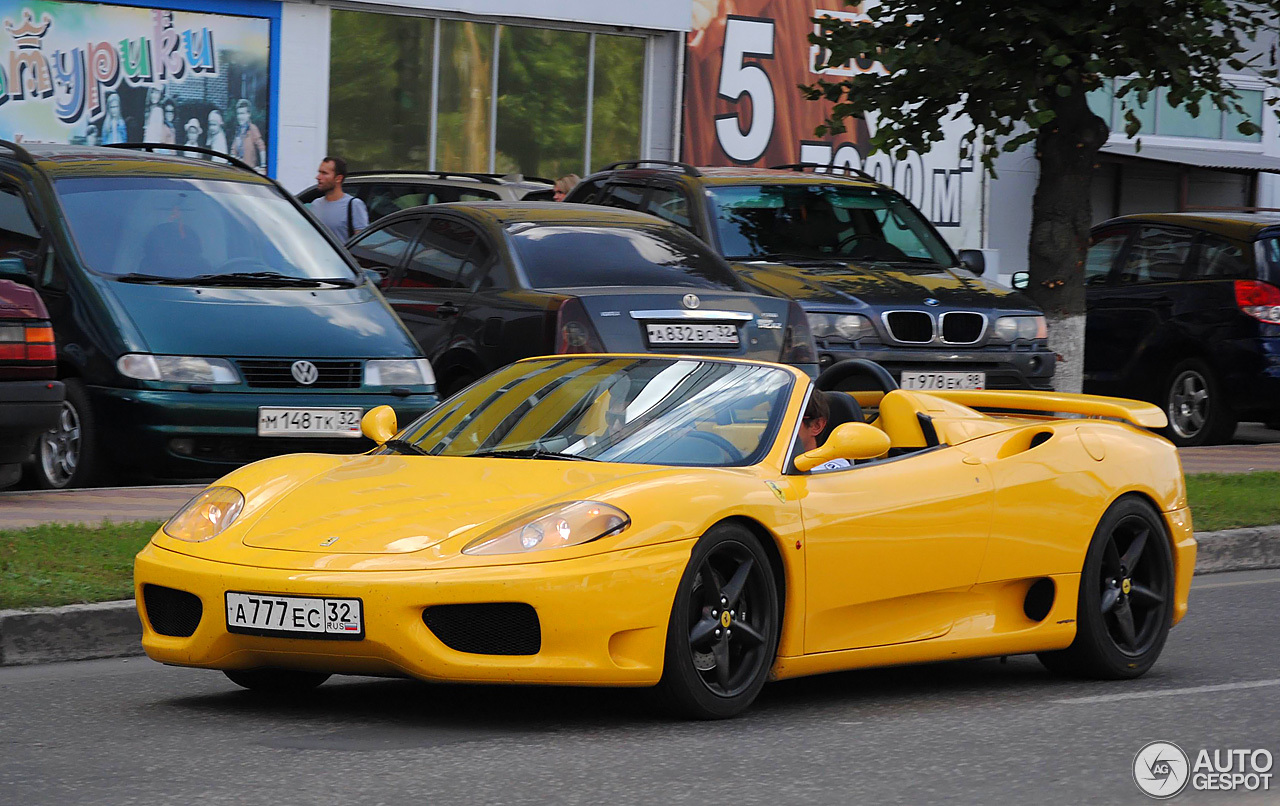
(344, 215)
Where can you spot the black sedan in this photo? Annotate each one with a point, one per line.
(482, 284)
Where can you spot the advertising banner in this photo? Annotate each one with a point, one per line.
(93, 74)
(742, 106)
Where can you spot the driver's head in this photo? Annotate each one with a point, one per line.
(815, 419)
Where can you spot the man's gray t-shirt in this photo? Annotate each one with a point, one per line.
(333, 214)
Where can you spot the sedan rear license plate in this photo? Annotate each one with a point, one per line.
(682, 335)
(311, 422)
(295, 616)
(944, 380)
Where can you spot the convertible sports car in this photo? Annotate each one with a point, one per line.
(632, 520)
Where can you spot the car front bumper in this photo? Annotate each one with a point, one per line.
(199, 435)
(1005, 369)
(603, 619)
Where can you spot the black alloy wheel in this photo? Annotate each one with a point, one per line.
(1126, 597)
(724, 625)
(284, 682)
(1196, 407)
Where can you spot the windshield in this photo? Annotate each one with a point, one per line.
(631, 410)
(823, 222)
(180, 228)
(585, 255)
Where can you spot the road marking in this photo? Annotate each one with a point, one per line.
(1168, 692)
(1235, 584)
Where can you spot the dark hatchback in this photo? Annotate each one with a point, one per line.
(203, 318)
(30, 397)
(874, 276)
(1184, 311)
(483, 284)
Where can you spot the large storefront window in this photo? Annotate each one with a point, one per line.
(564, 101)
(1158, 116)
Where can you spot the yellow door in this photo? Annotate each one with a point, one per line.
(889, 546)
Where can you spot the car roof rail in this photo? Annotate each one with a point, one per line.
(19, 153)
(151, 147)
(801, 166)
(487, 179)
(685, 168)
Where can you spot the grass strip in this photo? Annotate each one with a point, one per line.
(1231, 500)
(57, 564)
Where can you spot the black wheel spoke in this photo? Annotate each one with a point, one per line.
(733, 591)
(721, 653)
(710, 582)
(703, 631)
(1142, 595)
(1124, 617)
(1134, 553)
(1109, 598)
(1111, 559)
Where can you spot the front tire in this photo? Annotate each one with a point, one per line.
(724, 627)
(67, 455)
(1125, 608)
(276, 681)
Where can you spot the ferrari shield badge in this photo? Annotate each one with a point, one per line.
(777, 491)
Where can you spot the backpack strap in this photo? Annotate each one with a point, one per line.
(350, 228)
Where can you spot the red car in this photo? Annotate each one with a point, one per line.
(30, 396)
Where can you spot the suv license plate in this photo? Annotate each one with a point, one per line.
(944, 380)
(312, 422)
(294, 616)
(691, 334)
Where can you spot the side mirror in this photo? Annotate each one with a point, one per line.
(849, 441)
(14, 268)
(374, 276)
(379, 424)
(1020, 280)
(973, 260)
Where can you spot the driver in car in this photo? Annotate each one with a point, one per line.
(816, 415)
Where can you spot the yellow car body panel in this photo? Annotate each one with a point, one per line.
(923, 557)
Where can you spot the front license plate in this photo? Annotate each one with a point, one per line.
(674, 334)
(294, 616)
(944, 380)
(313, 422)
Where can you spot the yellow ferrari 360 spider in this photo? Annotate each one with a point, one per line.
(624, 520)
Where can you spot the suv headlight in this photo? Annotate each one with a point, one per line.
(206, 516)
(177, 368)
(398, 372)
(554, 527)
(846, 327)
(1011, 328)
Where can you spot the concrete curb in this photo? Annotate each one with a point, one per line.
(112, 629)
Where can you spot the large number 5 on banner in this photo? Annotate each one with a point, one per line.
(746, 37)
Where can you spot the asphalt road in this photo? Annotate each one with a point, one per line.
(132, 731)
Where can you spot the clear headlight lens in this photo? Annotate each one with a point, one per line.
(177, 368)
(206, 516)
(848, 327)
(555, 527)
(398, 372)
(1010, 328)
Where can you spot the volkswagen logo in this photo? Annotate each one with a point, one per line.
(691, 301)
(304, 372)
(931, 302)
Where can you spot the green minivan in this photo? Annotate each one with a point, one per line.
(204, 319)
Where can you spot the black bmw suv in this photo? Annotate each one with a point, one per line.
(875, 278)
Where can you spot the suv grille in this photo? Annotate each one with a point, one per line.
(172, 612)
(962, 327)
(275, 373)
(499, 628)
(911, 327)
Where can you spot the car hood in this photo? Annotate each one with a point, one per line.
(324, 322)
(839, 283)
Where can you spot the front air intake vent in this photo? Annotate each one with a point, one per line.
(172, 612)
(497, 628)
(910, 327)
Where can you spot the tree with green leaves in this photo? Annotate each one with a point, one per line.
(1021, 72)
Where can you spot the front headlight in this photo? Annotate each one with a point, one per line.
(554, 527)
(206, 516)
(847, 327)
(398, 372)
(177, 368)
(1010, 328)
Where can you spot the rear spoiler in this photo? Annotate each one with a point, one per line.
(1143, 415)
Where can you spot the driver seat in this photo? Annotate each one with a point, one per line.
(844, 409)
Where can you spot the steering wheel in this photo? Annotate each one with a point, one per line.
(720, 442)
(877, 249)
(841, 371)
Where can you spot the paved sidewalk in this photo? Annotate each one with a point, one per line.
(32, 508)
(1230, 458)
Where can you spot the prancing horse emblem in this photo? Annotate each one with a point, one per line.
(691, 301)
(329, 541)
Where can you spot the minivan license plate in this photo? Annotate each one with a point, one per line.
(294, 616)
(311, 422)
(944, 380)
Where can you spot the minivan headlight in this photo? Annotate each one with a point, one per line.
(1011, 328)
(177, 368)
(206, 516)
(553, 527)
(398, 372)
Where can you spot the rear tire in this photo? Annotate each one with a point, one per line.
(276, 681)
(1196, 405)
(456, 384)
(1125, 607)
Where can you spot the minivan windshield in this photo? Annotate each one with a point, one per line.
(179, 230)
(565, 256)
(823, 222)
